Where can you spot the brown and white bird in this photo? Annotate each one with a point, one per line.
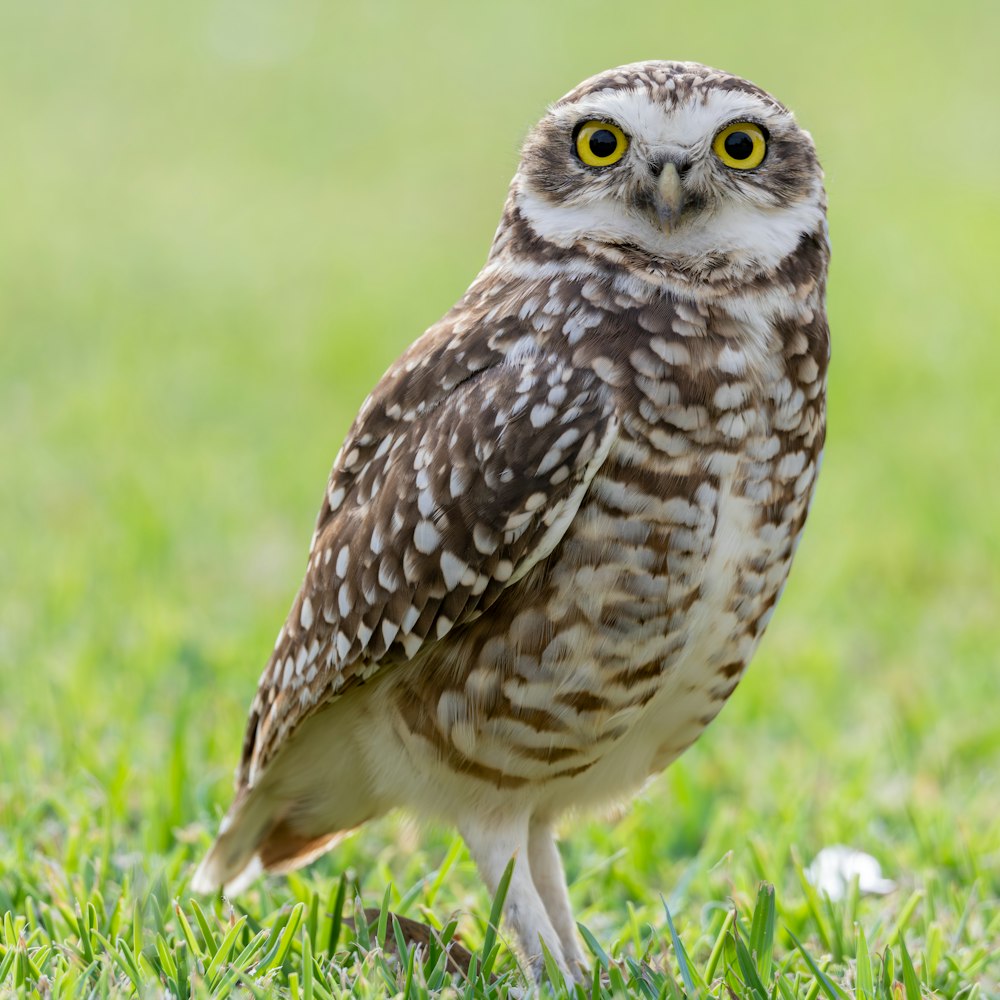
(561, 521)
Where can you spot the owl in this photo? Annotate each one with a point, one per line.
(561, 521)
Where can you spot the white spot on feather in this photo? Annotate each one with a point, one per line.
(344, 600)
(389, 631)
(503, 570)
(792, 464)
(484, 539)
(306, 614)
(453, 569)
(411, 645)
(426, 538)
(426, 503)
(459, 481)
(541, 414)
(343, 560)
(387, 576)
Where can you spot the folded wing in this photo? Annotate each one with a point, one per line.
(450, 487)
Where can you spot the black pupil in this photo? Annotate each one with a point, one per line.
(739, 145)
(603, 143)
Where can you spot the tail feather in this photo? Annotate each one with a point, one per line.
(232, 863)
(284, 850)
(308, 800)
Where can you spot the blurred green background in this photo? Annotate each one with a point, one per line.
(221, 221)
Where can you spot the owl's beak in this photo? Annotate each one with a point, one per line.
(669, 198)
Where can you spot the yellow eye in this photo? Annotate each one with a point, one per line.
(741, 145)
(599, 144)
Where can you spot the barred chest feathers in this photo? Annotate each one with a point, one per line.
(629, 637)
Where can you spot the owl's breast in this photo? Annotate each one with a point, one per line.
(620, 646)
(694, 521)
(661, 592)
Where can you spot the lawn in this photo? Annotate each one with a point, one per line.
(219, 223)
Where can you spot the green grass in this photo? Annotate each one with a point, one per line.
(218, 224)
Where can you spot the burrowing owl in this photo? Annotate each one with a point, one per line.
(561, 521)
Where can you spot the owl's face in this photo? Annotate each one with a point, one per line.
(674, 162)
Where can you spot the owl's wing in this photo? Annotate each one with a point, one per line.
(450, 486)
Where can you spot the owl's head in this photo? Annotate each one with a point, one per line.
(674, 166)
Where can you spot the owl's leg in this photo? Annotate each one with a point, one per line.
(550, 881)
(492, 845)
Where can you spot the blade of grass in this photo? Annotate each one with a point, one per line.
(719, 947)
(224, 950)
(762, 930)
(748, 970)
(682, 958)
(383, 919)
(823, 981)
(187, 931)
(595, 949)
(211, 944)
(902, 922)
(863, 980)
(336, 915)
(910, 982)
(488, 950)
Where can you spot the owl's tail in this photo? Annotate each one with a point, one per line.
(250, 842)
(309, 798)
(233, 862)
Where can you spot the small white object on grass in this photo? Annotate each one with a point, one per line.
(834, 867)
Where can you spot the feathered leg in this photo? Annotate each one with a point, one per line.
(550, 881)
(492, 844)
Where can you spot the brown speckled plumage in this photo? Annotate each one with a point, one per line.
(560, 523)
